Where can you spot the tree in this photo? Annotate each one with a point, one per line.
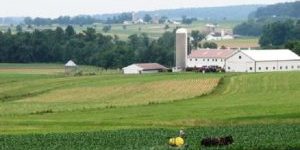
(147, 18)
(162, 19)
(19, 28)
(210, 45)
(90, 34)
(197, 37)
(106, 28)
(250, 28)
(188, 21)
(167, 27)
(294, 46)
(276, 34)
(70, 32)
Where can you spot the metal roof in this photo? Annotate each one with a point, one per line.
(151, 66)
(211, 53)
(70, 63)
(268, 55)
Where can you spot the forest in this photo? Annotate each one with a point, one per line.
(267, 15)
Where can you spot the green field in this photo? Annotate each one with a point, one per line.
(260, 110)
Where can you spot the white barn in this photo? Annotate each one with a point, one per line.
(208, 57)
(144, 68)
(263, 61)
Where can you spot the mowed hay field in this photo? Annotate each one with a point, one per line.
(115, 111)
(48, 93)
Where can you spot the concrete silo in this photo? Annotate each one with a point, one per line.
(181, 48)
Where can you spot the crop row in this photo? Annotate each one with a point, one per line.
(245, 137)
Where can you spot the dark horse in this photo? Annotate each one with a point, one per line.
(220, 141)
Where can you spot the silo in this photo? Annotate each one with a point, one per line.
(181, 48)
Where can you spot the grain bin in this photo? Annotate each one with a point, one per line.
(181, 48)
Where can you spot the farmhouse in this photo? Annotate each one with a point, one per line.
(208, 57)
(144, 68)
(263, 61)
(216, 36)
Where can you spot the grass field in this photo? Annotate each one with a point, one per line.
(260, 110)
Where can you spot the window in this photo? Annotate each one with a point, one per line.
(207, 59)
(292, 67)
(286, 67)
(298, 67)
(274, 68)
(216, 60)
(250, 68)
(196, 59)
(267, 68)
(240, 57)
(280, 67)
(259, 68)
(191, 59)
(228, 68)
(203, 59)
(221, 60)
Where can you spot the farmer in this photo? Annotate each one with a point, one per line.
(182, 134)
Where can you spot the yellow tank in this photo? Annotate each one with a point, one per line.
(178, 141)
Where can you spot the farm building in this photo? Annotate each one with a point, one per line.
(216, 36)
(208, 57)
(144, 68)
(234, 60)
(263, 61)
(70, 67)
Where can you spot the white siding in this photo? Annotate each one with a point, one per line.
(199, 62)
(240, 62)
(268, 66)
(132, 69)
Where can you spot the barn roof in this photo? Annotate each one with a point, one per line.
(211, 53)
(268, 55)
(151, 66)
(70, 63)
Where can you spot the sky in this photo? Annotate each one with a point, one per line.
(55, 8)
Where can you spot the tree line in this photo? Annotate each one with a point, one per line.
(291, 10)
(88, 48)
(62, 20)
(281, 34)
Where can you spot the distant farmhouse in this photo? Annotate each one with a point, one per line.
(143, 68)
(233, 60)
(216, 36)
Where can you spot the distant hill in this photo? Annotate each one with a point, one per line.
(11, 20)
(291, 9)
(240, 12)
